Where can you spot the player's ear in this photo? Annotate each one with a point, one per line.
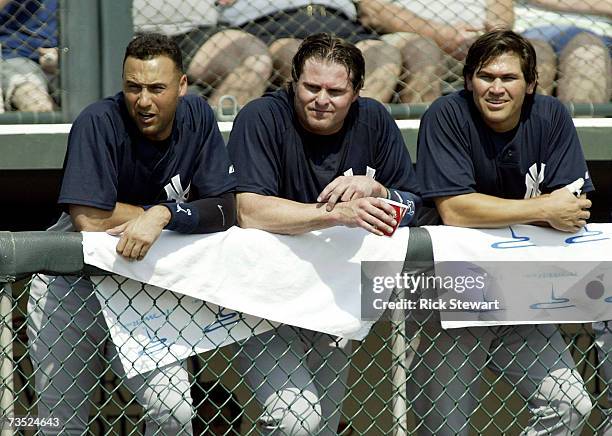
(468, 83)
(183, 85)
(530, 88)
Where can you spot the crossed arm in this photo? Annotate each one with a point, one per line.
(596, 7)
(139, 229)
(351, 201)
(560, 210)
(389, 17)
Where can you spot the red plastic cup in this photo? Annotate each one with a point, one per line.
(400, 211)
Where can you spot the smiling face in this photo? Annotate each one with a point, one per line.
(323, 96)
(152, 89)
(499, 89)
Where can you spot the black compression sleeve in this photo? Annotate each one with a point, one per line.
(207, 215)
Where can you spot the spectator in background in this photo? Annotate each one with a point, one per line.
(493, 155)
(283, 24)
(223, 61)
(433, 37)
(311, 156)
(572, 46)
(28, 36)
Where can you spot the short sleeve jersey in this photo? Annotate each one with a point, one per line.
(459, 154)
(108, 160)
(275, 156)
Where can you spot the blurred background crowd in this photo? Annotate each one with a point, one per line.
(414, 49)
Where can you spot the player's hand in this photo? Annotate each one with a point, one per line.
(139, 234)
(369, 213)
(48, 59)
(566, 212)
(347, 188)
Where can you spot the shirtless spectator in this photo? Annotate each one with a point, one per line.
(223, 61)
(283, 24)
(433, 38)
(572, 46)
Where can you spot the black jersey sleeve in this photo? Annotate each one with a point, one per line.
(90, 168)
(253, 147)
(214, 174)
(444, 165)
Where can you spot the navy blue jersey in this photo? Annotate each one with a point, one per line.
(274, 155)
(459, 154)
(108, 160)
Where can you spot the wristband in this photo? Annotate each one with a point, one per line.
(183, 217)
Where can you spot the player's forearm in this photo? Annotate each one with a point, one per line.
(500, 14)
(485, 211)
(279, 215)
(91, 219)
(597, 7)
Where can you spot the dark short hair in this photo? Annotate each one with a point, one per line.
(495, 43)
(147, 46)
(326, 47)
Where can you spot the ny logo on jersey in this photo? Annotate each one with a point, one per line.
(370, 172)
(533, 179)
(175, 191)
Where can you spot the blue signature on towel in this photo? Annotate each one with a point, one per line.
(518, 242)
(223, 320)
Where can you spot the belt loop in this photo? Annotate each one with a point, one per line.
(310, 10)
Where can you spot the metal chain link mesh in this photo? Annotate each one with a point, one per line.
(225, 404)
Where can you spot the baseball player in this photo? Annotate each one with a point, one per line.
(146, 159)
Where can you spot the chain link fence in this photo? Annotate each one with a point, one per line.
(224, 403)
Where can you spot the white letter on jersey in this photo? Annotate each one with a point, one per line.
(533, 180)
(174, 190)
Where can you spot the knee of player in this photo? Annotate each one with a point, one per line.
(173, 417)
(291, 412)
(582, 406)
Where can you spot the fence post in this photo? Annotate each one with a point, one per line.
(6, 363)
(116, 30)
(80, 70)
(398, 371)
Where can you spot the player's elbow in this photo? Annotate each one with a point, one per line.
(449, 214)
(246, 208)
(85, 223)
